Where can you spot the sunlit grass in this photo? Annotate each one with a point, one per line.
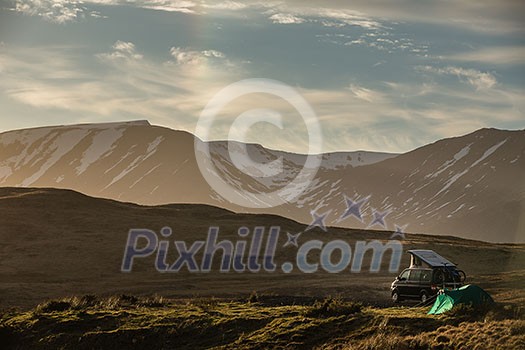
(125, 321)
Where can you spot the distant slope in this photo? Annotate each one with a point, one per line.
(470, 186)
(59, 242)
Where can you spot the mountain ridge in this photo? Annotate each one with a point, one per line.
(469, 186)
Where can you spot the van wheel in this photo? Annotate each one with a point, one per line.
(395, 297)
(424, 297)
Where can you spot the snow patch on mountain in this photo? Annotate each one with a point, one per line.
(461, 206)
(146, 174)
(102, 143)
(152, 148)
(462, 153)
(63, 144)
(485, 155)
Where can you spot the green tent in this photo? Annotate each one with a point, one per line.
(469, 294)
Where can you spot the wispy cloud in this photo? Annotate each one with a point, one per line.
(286, 18)
(480, 80)
(481, 16)
(188, 56)
(487, 16)
(347, 17)
(389, 117)
(364, 93)
(122, 50)
(182, 6)
(225, 5)
(381, 40)
(63, 11)
(500, 55)
(128, 85)
(286, 14)
(59, 11)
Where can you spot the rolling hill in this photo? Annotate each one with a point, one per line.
(57, 243)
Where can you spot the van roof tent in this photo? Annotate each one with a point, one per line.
(431, 258)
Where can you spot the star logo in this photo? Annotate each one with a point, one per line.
(292, 239)
(399, 232)
(318, 221)
(353, 208)
(379, 218)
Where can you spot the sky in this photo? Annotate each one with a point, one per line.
(382, 75)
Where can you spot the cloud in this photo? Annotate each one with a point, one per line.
(188, 56)
(500, 55)
(127, 87)
(225, 5)
(182, 6)
(485, 16)
(122, 51)
(480, 80)
(185, 6)
(213, 53)
(282, 13)
(59, 11)
(63, 11)
(347, 17)
(286, 18)
(364, 94)
(382, 40)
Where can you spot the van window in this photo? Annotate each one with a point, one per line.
(414, 275)
(426, 276)
(404, 274)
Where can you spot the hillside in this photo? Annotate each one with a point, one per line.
(58, 243)
(470, 186)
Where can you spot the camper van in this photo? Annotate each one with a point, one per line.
(428, 273)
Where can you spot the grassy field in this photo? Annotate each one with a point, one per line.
(258, 322)
(59, 245)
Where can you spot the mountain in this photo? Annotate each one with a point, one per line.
(131, 161)
(470, 186)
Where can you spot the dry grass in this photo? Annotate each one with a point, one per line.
(91, 301)
(506, 334)
(125, 321)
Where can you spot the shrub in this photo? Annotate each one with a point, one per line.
(204, 303)
(53, 306)
(91, 301)
(333, 307)
(155, 301)
(118, 301)
(253, 298)
(83, 302)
